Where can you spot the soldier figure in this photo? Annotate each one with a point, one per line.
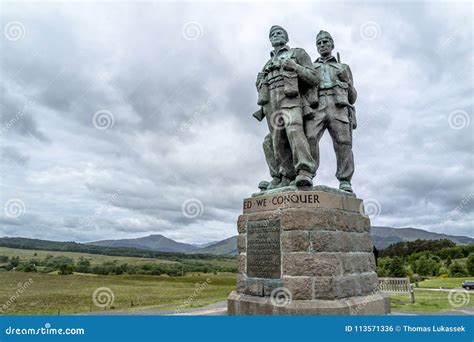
(334, 110)
(272, 164)
(282, 87)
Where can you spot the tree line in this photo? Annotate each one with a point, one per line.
(425, 258)
(66, 265)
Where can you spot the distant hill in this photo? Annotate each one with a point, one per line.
(71, 246)
(152, 243)
(381, 236)
(203, 245)
(383, 242)
(386, 236)
(224, 247)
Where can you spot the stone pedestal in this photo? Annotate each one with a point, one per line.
(305, 253)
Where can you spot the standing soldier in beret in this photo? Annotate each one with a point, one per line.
(282, 85)
(334, 110)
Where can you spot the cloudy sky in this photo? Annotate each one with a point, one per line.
(122, 120)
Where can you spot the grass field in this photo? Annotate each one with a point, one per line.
(445, 283)
(96, 259)
(428, 301)
(55, 294)
(433, 300)
(61, 294)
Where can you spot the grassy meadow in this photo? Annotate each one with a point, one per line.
(96, 259)
(52, 294)
(426, 301)
(431, 301)
(445, 283)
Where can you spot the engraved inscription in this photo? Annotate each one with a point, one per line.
(301, 199)
(263, 249)
(281, 200)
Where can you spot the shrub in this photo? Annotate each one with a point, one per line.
(470, 264)
(397, 268)
(457, 270)
(66, 269)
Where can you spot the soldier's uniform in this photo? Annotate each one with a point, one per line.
(334, 112)
(282, 105)
(270, 156)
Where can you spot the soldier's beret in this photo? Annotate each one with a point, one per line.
(323, 34)
(276, 27)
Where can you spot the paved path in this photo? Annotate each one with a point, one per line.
(220, 309)
(465, 311)
(458, 289)
(216, 309)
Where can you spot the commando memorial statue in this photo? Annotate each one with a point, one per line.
(305, 249)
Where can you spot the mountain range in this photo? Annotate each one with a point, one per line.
(381, 236)
(151, 243)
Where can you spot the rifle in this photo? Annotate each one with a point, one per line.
(352, 116)
(259, 115)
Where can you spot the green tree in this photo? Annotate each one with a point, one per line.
(397, 267)
(26, 267)
(14, 262)
(427, 266)
(443, 270)
(55, 262)
(470, 264)
(382, 266)
(83, 265)
(448, 261)
(457, 270)
(66, 269)
(458, 253)
(406, 248)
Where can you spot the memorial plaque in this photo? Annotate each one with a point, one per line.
(263, 249)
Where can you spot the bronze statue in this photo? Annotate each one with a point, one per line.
(293, 92)
(334, 110)
(282, 86)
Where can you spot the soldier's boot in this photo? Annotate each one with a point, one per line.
(285, 181)
(274, 183)
(263, 185)
(346, 186)
(304, 179)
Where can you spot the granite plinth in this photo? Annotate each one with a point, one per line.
(311, 250)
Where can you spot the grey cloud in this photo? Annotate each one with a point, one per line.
(182, 114)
